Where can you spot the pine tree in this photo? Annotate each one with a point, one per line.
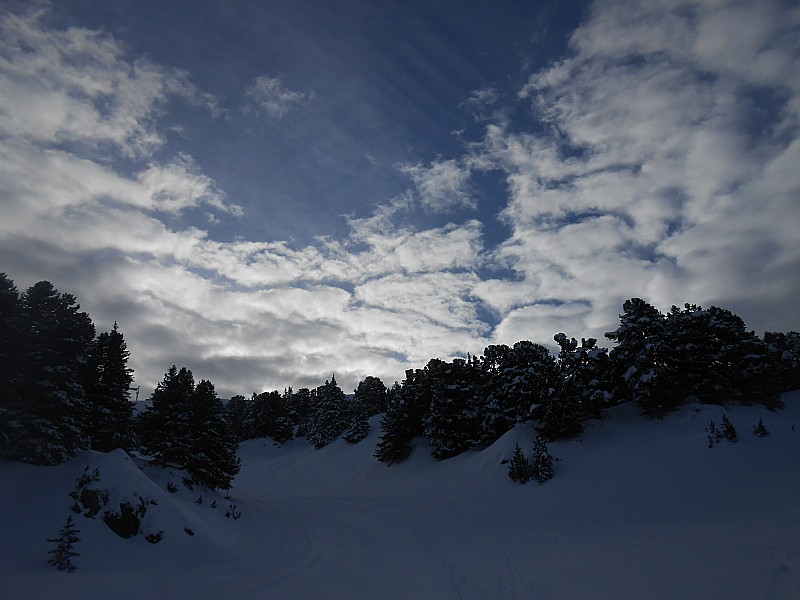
(62, 555)
(542, 469)
(52, 409)
(453, 421)
(212, 459)
(372, 394)
(108, 382)
(394, 445)
(328, 414)
(236, 409)
(636, 362)
(728, 430)
(760, 430)
(164, 425)
(358, 428)
(13, 344)
(520, 468)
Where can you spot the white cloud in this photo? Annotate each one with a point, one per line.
(651, 176)
(75, 85)
(270, 94)
(442, 186)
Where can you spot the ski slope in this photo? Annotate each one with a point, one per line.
(637, 509)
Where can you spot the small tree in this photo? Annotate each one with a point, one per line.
(62, 555)
(714, 434)
(760, 430)
(520, 468)
(542, 469)
(728, 430)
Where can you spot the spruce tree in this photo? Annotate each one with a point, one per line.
(394, 445)
(108, 382)
(62, 555)
(13, 348)
(520, 468)
(164, 425)
(728, 430)
(372, 394)
(452, 424)
(327, 415)
(52, 410)
(236, 409)
(358, 427)
(212, 459)
(636, 362)
(542, 468)
(760, 430)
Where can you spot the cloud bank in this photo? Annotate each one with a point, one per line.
(654, 161)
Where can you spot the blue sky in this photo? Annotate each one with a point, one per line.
(271, 192)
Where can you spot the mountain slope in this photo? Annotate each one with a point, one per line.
(637, 508)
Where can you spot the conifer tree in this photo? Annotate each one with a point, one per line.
(212, 459)
(50, 418)
(164, 425)
(236, 408)
(728, 430)
(372, 394)
(760, 430)
(394, 445)
(452, 424)
(542, 468)
(328, 414)
(637, 359)
(62, 555)
(358, 428)
(108, 382)
(13, 347)
(520, 468)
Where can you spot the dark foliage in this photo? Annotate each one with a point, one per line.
(520, 468)
(542, 468)
(108, 382)
(61, 556)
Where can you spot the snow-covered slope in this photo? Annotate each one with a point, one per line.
(637, 509)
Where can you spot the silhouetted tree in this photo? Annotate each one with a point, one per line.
(212, 459)
(52, 409)
(520, 468)
(164, 425)
(327, 414)
(108, 382)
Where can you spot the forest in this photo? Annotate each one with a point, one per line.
(67, 389)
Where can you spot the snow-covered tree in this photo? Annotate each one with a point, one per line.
(108, 382)
(212, 459)
(164, 425)
(267, 415)
(50, 419)
(542, 468)
(452, 424)
(519, 383)
(583, 375)
(372, 394)
(637, 360)
(328, 414)
(405, 417)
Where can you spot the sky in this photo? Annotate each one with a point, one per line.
(272, 192)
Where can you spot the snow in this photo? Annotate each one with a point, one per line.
(637, 509)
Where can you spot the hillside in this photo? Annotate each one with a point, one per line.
(637, 509)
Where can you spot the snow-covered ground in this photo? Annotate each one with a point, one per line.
(637, 509)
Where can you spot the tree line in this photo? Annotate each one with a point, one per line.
(65, 389)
